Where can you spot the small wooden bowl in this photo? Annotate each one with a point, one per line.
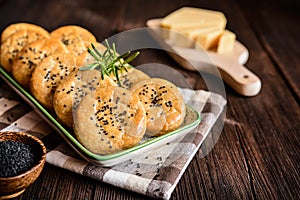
(11, 187)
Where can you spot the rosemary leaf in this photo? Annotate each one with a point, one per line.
(132, 57)
(109, 62)
(96, 50)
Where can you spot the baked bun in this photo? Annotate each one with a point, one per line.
(13, 28)
(76, 38)
(164, 105)
(71, 90)
(115, 117)
(49, 73)
(11, 46)
(31, 55)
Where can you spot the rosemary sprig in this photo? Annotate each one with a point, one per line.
(109, 62)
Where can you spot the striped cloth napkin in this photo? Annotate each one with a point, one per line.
(154, 173)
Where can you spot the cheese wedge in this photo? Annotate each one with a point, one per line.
(226, 42)
(208, 39)
(187, 17)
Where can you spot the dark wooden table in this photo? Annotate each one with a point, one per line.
(258, 153)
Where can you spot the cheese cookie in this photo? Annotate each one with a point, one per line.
(115, 117)
(71, 90)
(13, 28)
(31, 55)
(164, 105)
(11, 46)
(77, 39)
(49, 73)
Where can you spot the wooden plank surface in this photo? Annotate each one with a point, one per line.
(257, 155)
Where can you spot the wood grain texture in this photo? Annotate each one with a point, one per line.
(257, 155)
(275, 25)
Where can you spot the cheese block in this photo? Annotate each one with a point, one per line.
(226, 42)
(188, 17)
(208, 39)
(187, 25)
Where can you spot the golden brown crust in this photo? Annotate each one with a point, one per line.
(31, 55)
(164, 104)
(13, 44)
(76, 38)
(13, 28)
(115, 117)
(49, 73)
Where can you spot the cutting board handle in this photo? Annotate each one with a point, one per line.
(237, 76)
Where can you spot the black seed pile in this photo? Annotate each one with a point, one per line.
(15, 158)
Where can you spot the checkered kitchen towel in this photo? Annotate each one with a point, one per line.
(155, 173)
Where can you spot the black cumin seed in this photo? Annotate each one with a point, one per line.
(15, 158)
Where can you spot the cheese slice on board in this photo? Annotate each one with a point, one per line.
(226, 42)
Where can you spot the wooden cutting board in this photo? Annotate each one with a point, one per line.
(230, 65)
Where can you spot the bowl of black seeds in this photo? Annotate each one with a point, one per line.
(22, 158)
